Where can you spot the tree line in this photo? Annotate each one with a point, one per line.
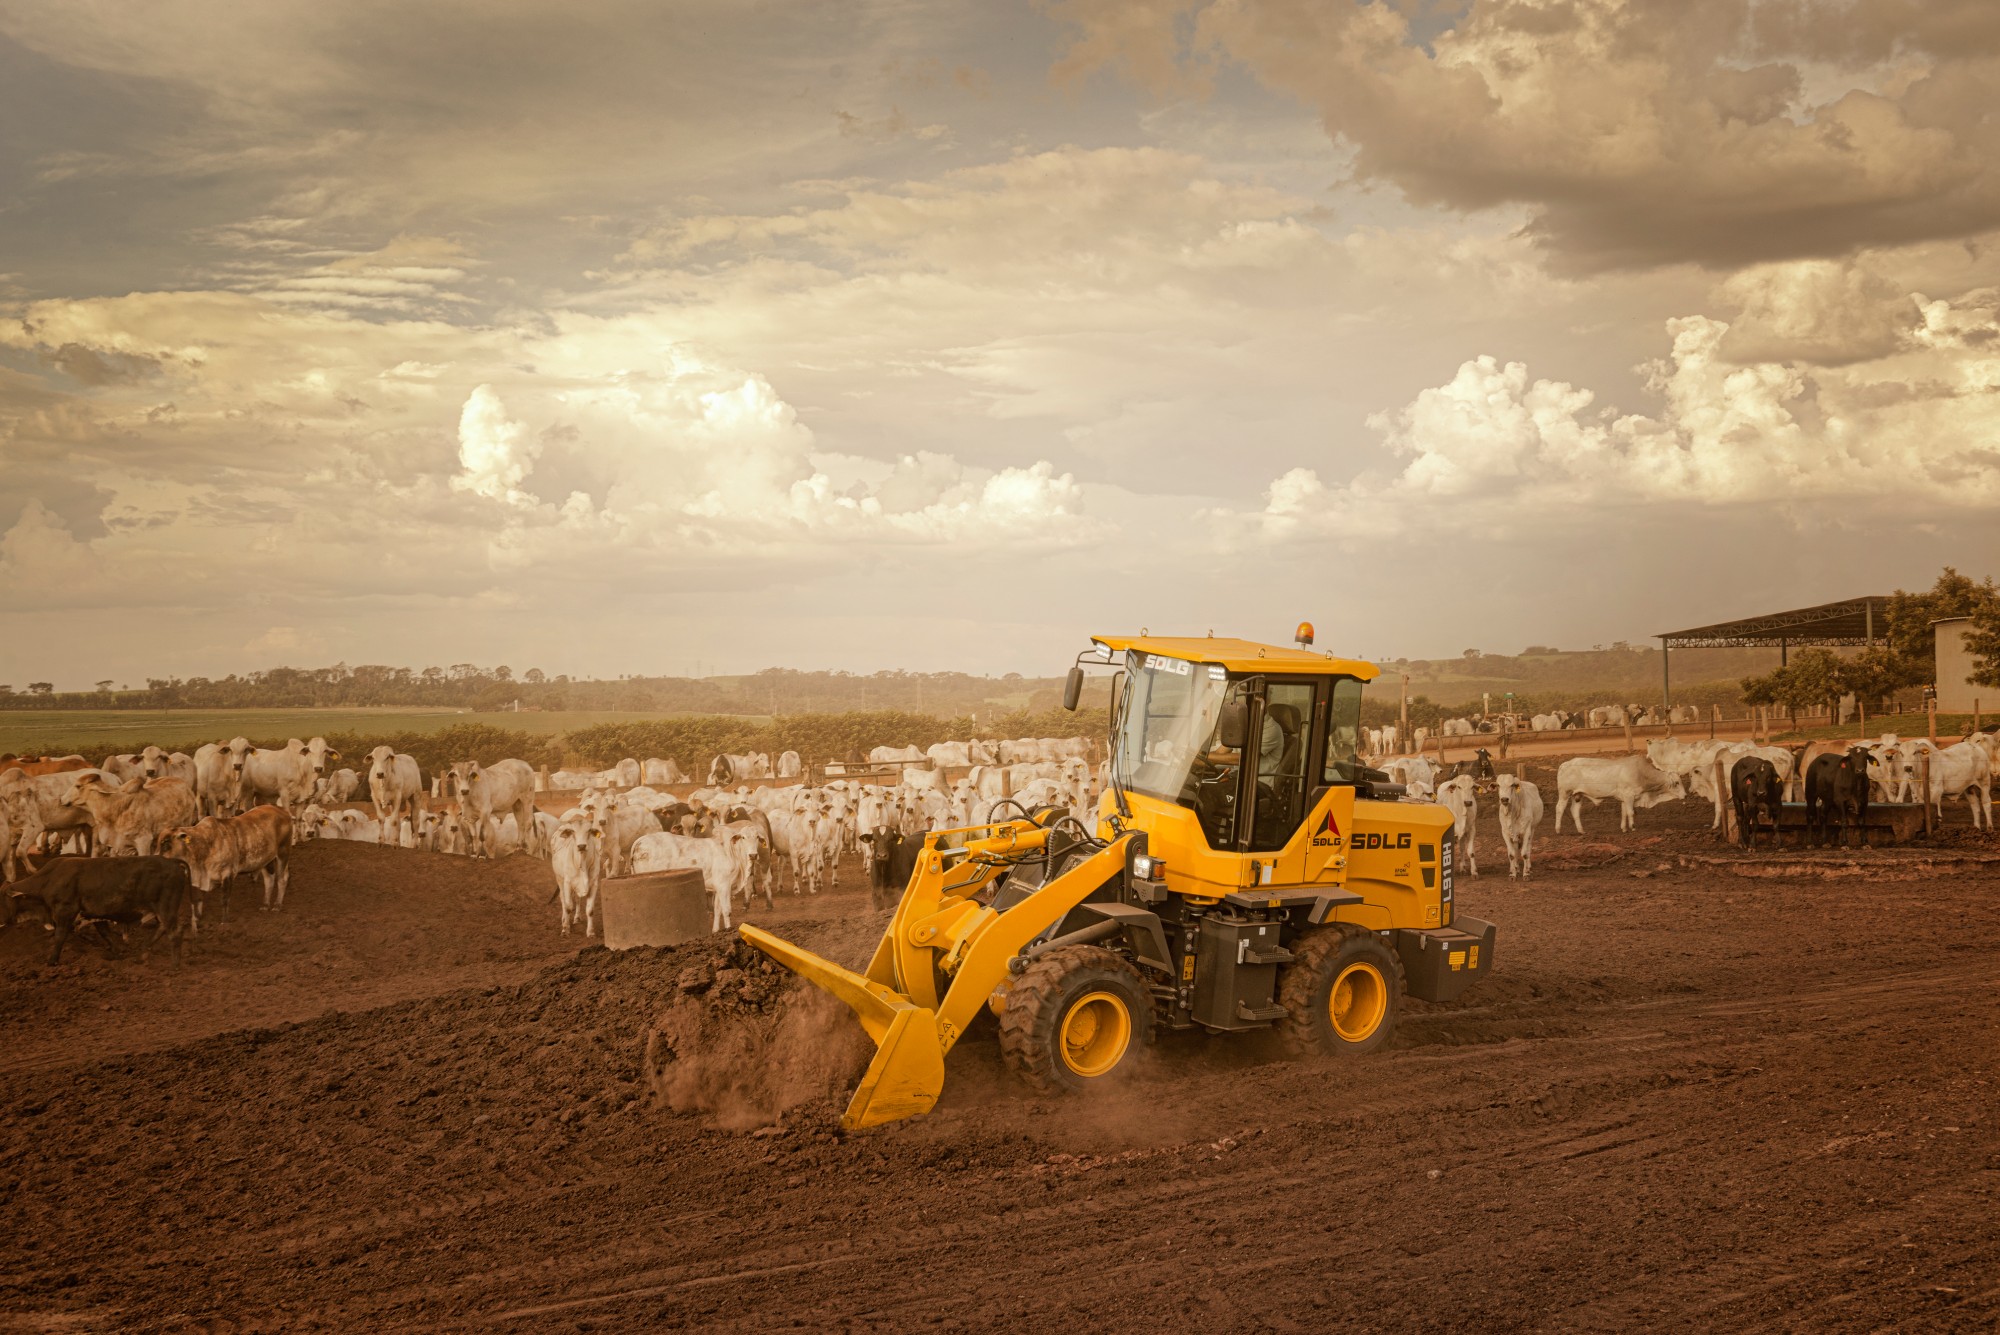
(493, 689)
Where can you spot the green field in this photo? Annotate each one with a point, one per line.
(93, 733)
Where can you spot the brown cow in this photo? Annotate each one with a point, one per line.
(35, 766)
(132, 814)
(220, 848)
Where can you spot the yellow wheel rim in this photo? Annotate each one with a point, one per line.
(1358, 1001)
(1095, 1033)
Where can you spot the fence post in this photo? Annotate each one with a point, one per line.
(1628, 735)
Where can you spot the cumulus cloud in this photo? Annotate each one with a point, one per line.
(495, 453)
(1908, 431)
(1640, 131)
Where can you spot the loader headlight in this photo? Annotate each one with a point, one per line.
(1147, 867)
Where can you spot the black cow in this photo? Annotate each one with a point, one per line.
(895, 862)
(1753, 787)
(1837, 793)
(1480, 767)
(125, 890)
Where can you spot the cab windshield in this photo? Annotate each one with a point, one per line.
(1169, 719)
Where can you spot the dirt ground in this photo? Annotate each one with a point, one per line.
(1689, 1099)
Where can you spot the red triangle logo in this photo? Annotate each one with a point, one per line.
(1329, 826)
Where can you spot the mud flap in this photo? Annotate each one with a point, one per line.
(1439, 964)
(907, 1074)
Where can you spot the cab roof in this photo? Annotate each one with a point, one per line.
(1242, 655)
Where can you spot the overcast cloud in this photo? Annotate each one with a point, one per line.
(617, 337)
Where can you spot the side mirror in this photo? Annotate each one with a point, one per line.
(1073, 688)
(1233, 729)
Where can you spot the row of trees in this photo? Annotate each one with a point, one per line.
(1816, 679)
(483, 689)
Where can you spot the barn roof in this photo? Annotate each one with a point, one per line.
(1859, 620)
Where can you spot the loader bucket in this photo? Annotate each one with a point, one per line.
(907, 1074)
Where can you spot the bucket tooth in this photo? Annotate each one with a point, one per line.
(907, 1073)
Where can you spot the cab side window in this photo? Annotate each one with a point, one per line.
(1343, 732)
(1281, 764)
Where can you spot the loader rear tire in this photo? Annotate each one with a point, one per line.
(1342, 992)
(1075, 1018)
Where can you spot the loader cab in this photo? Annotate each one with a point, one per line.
(1249, 751)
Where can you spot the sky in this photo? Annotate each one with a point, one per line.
(626, 336)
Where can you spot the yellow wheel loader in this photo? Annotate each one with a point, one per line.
(1243, 871)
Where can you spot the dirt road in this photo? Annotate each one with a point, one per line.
(1687, 1100)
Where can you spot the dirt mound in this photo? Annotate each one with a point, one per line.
(745, 1043)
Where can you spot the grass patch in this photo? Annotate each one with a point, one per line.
(1950, 727)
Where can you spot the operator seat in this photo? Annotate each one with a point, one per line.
(1279, 789)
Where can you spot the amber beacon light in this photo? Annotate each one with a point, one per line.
(1304, 634)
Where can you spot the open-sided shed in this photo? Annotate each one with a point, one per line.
(1851, 621)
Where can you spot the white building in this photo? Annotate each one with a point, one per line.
(1955, 691)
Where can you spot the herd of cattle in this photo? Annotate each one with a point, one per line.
(168, 831)
(185, 826)
(1835, 787)
(1387, 739)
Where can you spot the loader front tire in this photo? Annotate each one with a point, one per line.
(1075, 1018)
(1342, 992)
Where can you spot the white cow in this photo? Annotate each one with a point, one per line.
(1520, 813)
(1457, 797)
(655, 770)
(802, 838)
(576, 856)
(1631, 781)
(337, 787)
(285, 777)
(1416, 774)
(356, 827)
(494, 790)
(623, 826)
(724, 862)
(124, 767)
(395, 784)
(1964, 770)
(763, 858)
(170, 765)
(791, 766)
(1606, 716)
(218, 776)
(450, 835)
(942, 754)
(897, 755)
